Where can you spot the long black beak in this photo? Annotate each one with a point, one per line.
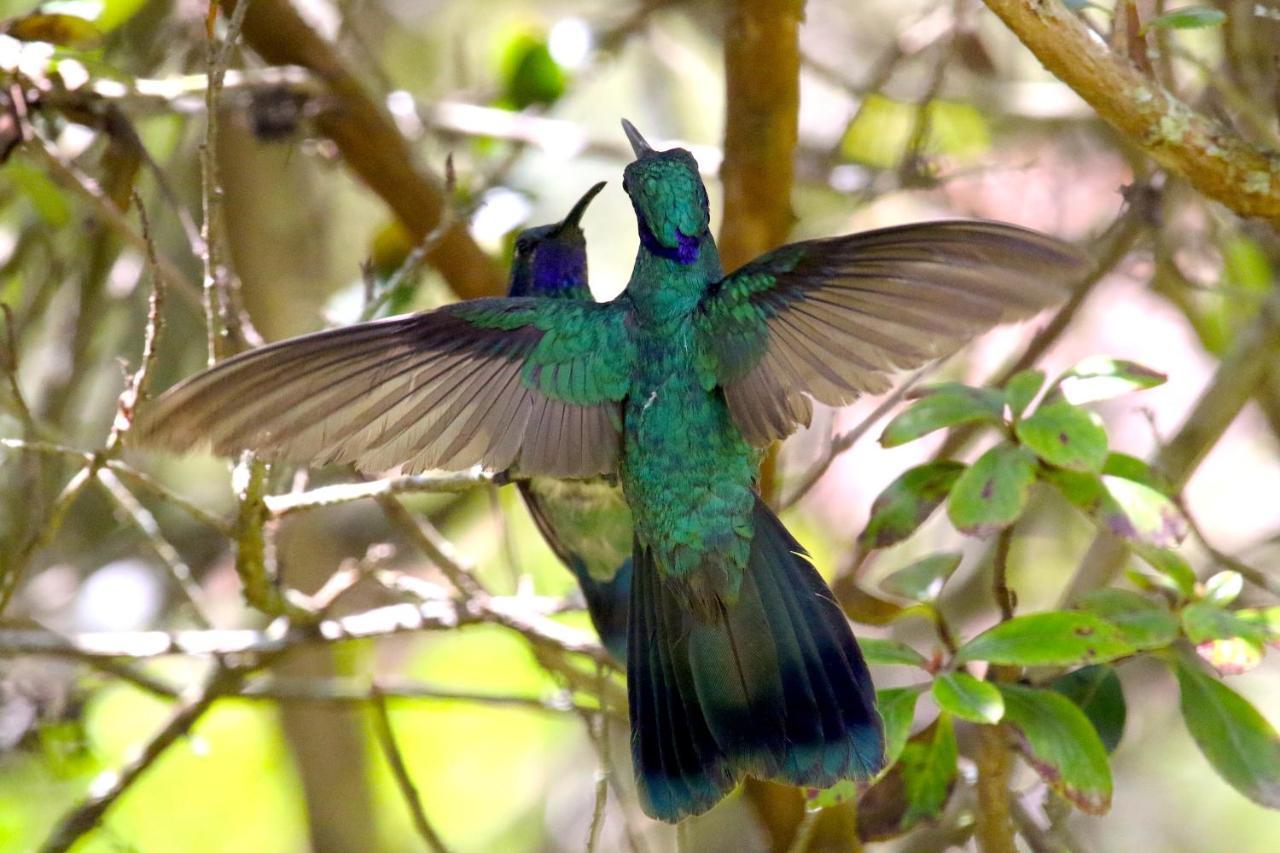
(638, 144)
(575, 215)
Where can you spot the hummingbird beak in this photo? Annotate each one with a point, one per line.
(638, 144)
(575, 215)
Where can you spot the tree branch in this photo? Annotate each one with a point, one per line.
(371, 145)
(1213, 158)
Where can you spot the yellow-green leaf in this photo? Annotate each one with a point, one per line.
(993, 492)
(1056, 638)
(968, 698)
(943, 406)
(1061, 745)
(1065, 435)
(923, 579)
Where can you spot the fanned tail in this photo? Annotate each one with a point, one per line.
(607, 604)
(771, 686)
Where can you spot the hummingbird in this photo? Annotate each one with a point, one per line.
(586, 522)
(739, 661)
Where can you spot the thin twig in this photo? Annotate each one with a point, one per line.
(9, 363)
(150, 529)
(106, 211)
(846, 440)
(387, 739)
(1000, 574)
(355, 691)
(340, 493)
(15, 565)
(431, 543)
(129, 473)
(89, 814)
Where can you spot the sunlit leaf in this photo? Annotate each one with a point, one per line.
(1229, 644)
(882, 131)
(1056, 638)
(844, 791)
(889, 652)
(1101, 377)
(1187, 18)
(907, 502)
(968, 698)
(1096, 690)
(1021, 389)
(1130, 510)
(1065, 435)
(1152, 517)
(1223, 588)
(992, 494)
(1061, 745)
(867, 609)
(1266, 618)
(897, 709)
(923, 579)
(1237, 740)
(1145, 624)
(530, 74)
(929, 769)
(943, 406)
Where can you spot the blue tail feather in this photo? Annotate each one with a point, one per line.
(771, 686)
(607, 605)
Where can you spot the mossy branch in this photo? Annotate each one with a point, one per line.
(1213, 158)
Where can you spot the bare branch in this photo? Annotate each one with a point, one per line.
(400, 772)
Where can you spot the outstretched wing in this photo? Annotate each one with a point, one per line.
(833, 318)
(529, 383)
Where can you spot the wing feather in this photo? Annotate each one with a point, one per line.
(531, 383)
(832, 319)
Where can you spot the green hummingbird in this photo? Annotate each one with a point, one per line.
(586, 522)
(739, 661)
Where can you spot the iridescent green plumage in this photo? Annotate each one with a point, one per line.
(739, 661)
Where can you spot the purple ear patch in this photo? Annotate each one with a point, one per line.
(685, 252)
(687, 248)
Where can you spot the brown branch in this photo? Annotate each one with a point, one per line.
(1000, 574)
(400, 772)
(370, 143)
(1216, 161)
(993, 824)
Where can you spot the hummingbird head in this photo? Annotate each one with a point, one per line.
(551, 260)
(669, 198)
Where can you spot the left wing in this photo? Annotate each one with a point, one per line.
(833, 318)
(531, 383)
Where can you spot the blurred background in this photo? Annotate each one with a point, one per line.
(501, 114)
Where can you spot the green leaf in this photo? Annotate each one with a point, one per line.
(530, 75)
(897, 710)
(1130, 510)
(1266, 618)
(844, 791)
(1096, 691)
(1065, 435)
(943, 406)
(881, 133)
(1187, 18)
(929, 769)
(907, 502)
(1223, 588)
(992, 494)
(1145, 624)
(1133, 468)
(923, 579)
(968, 698)
(889, 652)
(1172, 568)
(1237, 740)
(1101, 377)
(1152, 517)
(1061, 745)
(1021, 389)
(1056, 638)
(1229, 644)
